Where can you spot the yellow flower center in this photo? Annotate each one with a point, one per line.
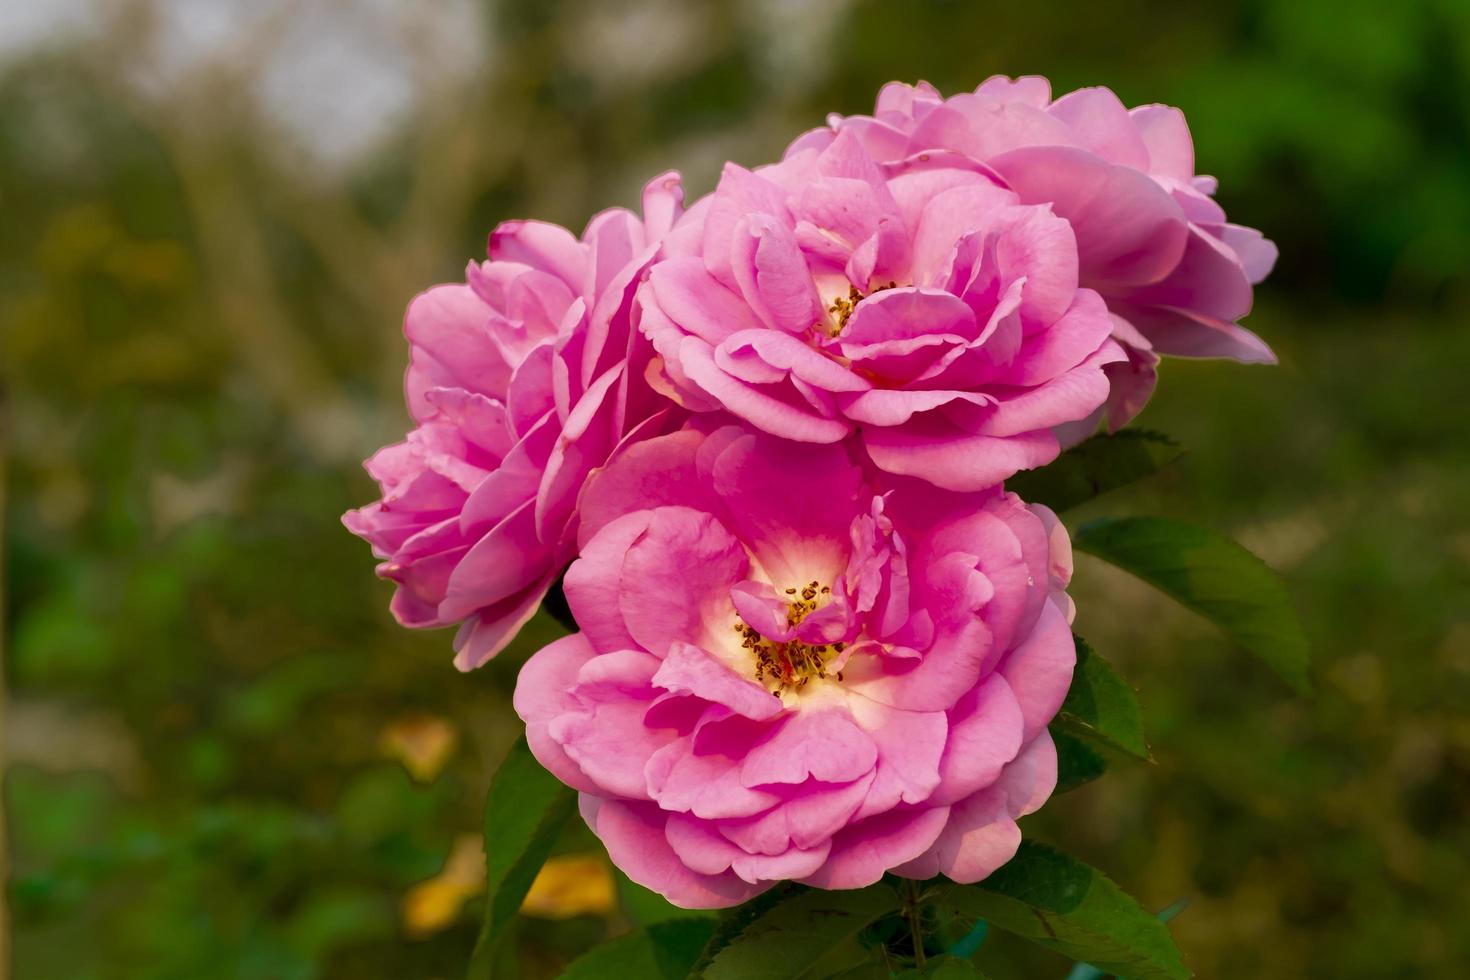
(791, 664)
(843, 306)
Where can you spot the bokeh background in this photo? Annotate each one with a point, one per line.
(223, 760)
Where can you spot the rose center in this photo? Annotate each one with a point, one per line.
(791, 664)
(842, 307)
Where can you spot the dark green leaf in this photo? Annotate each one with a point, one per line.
(1095, 466)
(1100, 704)
(1086, 971)
(1062, 904)
(796, 932)
(662, 951)
(1077, 762)
(1211, 575)
(856, 958)
(525, 811)
(874, 969)
(732, 922)
(944, 968)
(646, 907)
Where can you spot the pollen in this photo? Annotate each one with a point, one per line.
(843, 306)
(791, 665)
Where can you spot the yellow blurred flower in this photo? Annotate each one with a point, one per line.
(433, 906)
(423, 743)
(571, 885)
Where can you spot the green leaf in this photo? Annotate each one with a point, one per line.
(525, 811)
(1062, 904)
(944, 968)
(795, 932)
(874, 969)
(1211, 575)
(732, 922)
(645, 907)
(662, 951)
(1095, 466)
(1086, 971)
(1100, 704)
(1077, 762)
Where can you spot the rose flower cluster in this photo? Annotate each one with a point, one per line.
(762, 444)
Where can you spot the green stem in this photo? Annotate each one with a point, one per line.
(913, 912)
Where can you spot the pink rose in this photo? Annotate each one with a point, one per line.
(522, 380)
(918, 304)
(790, 668)
(1150, 238)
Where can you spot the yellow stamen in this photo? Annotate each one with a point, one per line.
(843, 306)
(792, 664)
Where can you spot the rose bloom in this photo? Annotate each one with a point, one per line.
(1150, 238)
(919, 304)
(521, 380)
(792, 667)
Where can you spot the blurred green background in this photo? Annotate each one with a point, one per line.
(223, 760)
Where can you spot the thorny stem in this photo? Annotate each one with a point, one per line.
(912, 910)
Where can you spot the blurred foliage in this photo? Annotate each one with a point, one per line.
(199, 341)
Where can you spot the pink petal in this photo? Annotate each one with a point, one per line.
(985, 729)
(1039, 671)
(491, 629)
(823, 744)
(796, 538)
(981, 834)
(663, 203)
(780, 354)
(806, 819)
(676, 579)
(542, 246)
(947, 669)
(586, 441)
(910, 744)
(763, 610)
(446, 327)
(1100, 122)
(981, 128)
(691, 670)
(1129, 230)
(705, 785)
(773, 414)
(656, 473)
(694, 300)
(940, 452)
(1209, 279)
(593, 582)
(906, 313)
(739, 194)
(1256, 252)
(863, 852)
(772, 274)
(1081, 331)
(947, 217)
(543, 693)
(635, 840)
(1033, 90)
(706, 851)
(1071, 394)
(1187, 333)
(605, 734)
(505, 560)
(1166, 135)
